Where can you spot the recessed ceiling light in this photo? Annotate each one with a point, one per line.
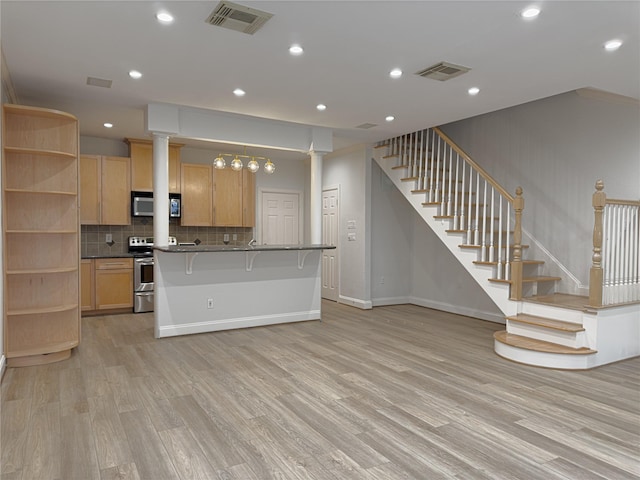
(295, 50)
(390, 118)
(531, 12)
(238, 92)
(108, 125)
(613, 45)
(321, 107)
(473, 91)
(164, 17)
(135, 74)
(395, 73)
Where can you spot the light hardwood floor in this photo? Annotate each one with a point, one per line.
(398, 392)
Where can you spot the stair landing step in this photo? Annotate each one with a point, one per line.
(528, 279)
(546, 322)
(538, 345)
(566, 300)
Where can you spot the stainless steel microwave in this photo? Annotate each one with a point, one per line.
(142, 204)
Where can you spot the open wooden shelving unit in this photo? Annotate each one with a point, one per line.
(41, 234)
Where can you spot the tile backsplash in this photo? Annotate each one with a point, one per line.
(93, 237)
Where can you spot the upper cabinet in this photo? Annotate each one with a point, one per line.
(218, 198)
(141, 153)
(41, 235)
(197, 195)
(105, 190)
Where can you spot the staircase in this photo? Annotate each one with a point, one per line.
(480, 223)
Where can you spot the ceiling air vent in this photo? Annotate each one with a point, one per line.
(443, 71)
(99, 82)
(237, 17)
(365, 126)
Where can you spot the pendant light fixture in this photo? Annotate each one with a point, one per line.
(236, 164)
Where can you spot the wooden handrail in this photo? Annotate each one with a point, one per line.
(632, 203)
(477, 167)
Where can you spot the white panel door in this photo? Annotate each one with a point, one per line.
(330, 223)
(280, 218)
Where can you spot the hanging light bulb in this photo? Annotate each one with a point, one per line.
(236, 163)
(269, 167)
(253, 165)
(219, 163)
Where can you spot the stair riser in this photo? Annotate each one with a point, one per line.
(544, 359)
(537, 332)
(549, 311)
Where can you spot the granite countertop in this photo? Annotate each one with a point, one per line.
(108, 255)
(240, 248)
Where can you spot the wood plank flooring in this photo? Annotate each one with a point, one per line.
(398, 392)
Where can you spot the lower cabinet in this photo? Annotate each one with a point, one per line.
(107, 284)
(87, 285)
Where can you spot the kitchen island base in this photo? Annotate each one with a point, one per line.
(208, 289)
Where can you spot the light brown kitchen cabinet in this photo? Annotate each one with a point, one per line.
(227, 197)
(105, 190)
(113, 283)
(248, 199)
(41, 235)
(219, 198)
(141, 153)
(197, 195)
(87, 285)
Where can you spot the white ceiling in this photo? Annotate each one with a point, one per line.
(51, 47)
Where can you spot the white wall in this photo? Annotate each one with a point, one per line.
(556, 149)
(350, 169)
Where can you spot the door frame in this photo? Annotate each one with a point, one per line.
(260, 204)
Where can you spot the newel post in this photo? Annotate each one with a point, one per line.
(596, 273)
(516, 263)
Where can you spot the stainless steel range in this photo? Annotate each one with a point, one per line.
(142, 250)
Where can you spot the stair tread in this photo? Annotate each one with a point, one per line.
(538, 345)
(540, 278)
(525, 262)
(546, 322)
(466, 245)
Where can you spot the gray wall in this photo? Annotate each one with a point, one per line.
(409, 264)
(556, 149)
(350, 169)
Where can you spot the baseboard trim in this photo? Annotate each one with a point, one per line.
(445, 307)
(385, 301)
(356, 302)
(457, 309)
(231, 323)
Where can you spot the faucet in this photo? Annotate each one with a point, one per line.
(252, 242)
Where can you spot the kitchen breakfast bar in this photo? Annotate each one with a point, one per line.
(208, 288)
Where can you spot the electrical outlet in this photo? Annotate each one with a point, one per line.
(235, 236)
(209, 302)
(381, 280)
(109, 238)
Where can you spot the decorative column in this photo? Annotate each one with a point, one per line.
(160, 189)
(316, 197)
